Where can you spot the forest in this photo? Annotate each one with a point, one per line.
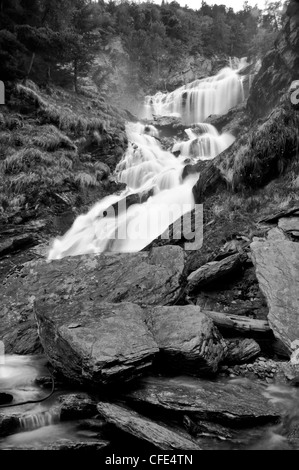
(39, 36)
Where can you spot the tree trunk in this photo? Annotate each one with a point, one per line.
(30, 65)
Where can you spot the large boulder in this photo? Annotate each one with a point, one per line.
(277, 270)
(159, 435)
(188, 340)
(234, 402)
(215, 271)
(150, 278)
(91, 342)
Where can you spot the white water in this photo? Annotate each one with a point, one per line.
(148, 169)
(204, 142)
(199, 99)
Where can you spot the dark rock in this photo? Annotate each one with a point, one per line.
(277, 270)
(213, 272)
(91, 343)
(187, 339)
(94, 425)
(234, 402)
(135, 424)
(187, 230)
(274, 217)
(232, 122)
(77, 406)
(241, 350)
(191, 169)
(8, 424)
(115, 209)
(5, 398)
(279, 67)
(16, 243)
(149, 278)
(168, 126)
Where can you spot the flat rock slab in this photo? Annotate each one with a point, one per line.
(133, 423)
(235, 401)
(213, 271)
(277, 270)
(289, 224)
(188, 340)
(150, 278)
(90, 342)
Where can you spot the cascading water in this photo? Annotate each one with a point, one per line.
(39, 420)
(145, 168)
(154, 174)
(199, 99)
(204, 142)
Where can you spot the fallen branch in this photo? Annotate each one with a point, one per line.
(238, 323)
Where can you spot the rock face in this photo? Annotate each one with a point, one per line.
(95, 343)
(187, 339)
(150, 278)
(77, 406)
(241, 350)
(277, 269)
(135, 424)
(279, 67)
(289, 224)
(213, 271)
(229, 402)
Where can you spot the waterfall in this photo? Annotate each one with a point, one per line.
(153, 176)
(39, 420)
(204, 142)
(201, 98)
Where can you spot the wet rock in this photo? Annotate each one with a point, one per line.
(77, 406)
(187, 339)
(143, 428)
(232, 122)
(241, 350)
(277, 270)
(234, 402)
(150, 278)
(5, 398)
(168, 126)
(192, 169)
(92, 343)
(213, 272)
(8, 424)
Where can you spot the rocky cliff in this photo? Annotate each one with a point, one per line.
(279, 68)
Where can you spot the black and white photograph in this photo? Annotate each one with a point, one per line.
(149, 229)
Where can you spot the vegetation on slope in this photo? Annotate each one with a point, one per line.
(56, 146)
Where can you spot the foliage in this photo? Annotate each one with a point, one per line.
(67, 34)
(265, 153)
